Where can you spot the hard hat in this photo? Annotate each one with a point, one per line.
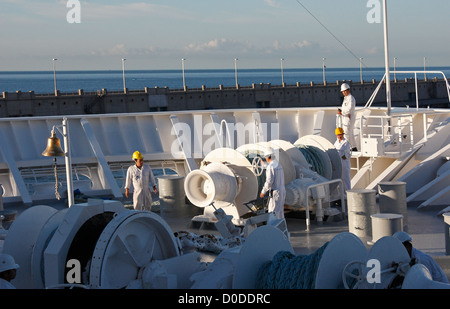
(268, 154)
(344, 87)
(402, 236)
(137, 155)
(7, 262)
(339, 131)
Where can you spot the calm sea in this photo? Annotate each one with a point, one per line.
(71, 81)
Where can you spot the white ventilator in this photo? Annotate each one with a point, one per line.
(312, 170)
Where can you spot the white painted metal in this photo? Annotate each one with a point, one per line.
(393, 259)
(128, 243)
(392, 199)
(171, 193)
(103, 164)
(385, 224)
(21, 239)
(68, 160)
(361, 205)
(446, 216)
(386, 58)
(214, 183)
(184, 143)
(55, 254)
(259, 247)
(118, 135)
(419, 277)
(17, 180)
(341, 250)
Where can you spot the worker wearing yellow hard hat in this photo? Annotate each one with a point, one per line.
(139, 177)
(344, 149)
(137, 155)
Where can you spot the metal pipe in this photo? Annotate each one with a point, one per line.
(386, 58)
(68, 159)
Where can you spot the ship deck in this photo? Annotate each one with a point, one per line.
(425, 226)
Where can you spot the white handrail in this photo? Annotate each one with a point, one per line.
(372, 97)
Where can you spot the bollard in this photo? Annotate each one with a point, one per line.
(361, 205)
(385, 224)
(447, 232)
(171, 193)
(392, 199)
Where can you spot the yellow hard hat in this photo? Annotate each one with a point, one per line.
(137, 155)
(339, 131)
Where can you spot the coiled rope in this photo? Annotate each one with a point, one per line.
(287, 271)
(312, 156)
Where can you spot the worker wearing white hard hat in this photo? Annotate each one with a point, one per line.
(347, 114)
(139, 176)
(8, 269)
(274, 184)
(421, 257)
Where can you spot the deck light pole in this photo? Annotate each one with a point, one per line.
(282, 74)
(235, 72)
(123, 75)
(395, 68)
(323, 70)
(360, 69)
(425, 68)
(54, 76)
(182, 69)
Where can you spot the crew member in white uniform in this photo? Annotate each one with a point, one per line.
(8, 269)
(348, 115)
(139, 176)
(344, 150)
(435, 270)
(275, 186)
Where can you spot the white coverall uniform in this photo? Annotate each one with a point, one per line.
(275, 182)
(6, 285)
(140, 178)
(435, 270)
(344, 149)
(348, 123)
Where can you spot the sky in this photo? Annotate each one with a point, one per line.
(210, 34)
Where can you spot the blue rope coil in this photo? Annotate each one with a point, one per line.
(287, 271)
(312, 156)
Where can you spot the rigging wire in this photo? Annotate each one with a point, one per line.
(334, 36)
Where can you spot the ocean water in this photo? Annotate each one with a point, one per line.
(91, 81)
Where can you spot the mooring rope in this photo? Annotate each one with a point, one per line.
(312, 156)
(287, 271)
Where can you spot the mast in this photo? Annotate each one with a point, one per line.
(386, 58)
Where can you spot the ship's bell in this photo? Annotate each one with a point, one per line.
(53, 147)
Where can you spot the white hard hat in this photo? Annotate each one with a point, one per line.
(268, 154)
(402, 236)
(7, 262)
(344, 87)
